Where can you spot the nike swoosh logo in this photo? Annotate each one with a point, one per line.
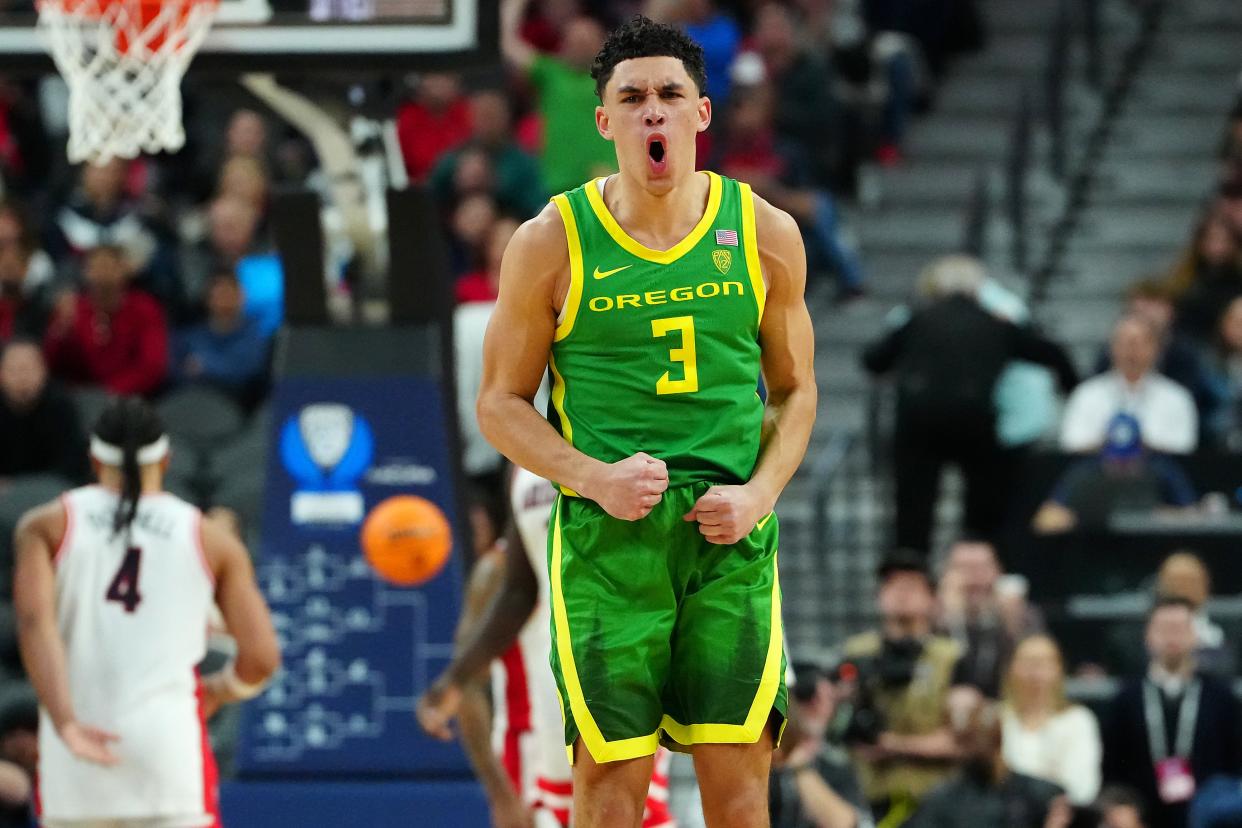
(763, 522)
(604, 274)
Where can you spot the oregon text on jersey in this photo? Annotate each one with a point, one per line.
(705, 290)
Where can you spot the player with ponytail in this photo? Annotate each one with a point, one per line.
(114, 588)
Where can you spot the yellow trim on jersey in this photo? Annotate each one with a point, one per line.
(574, 297)
(601, 749)
(765, 697)
(752, 248)
(558, 402)
(635, 248)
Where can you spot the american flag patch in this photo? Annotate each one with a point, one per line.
(728, 237)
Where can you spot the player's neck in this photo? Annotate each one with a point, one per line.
(657, 220)
(151, 476)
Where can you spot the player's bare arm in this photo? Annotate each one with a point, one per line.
(534, 279)
(467, 698)
(37, 536)
(246, 617)
(499, 618)
(726, 514)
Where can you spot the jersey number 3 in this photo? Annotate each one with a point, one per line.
(124, 586)
(689, 382)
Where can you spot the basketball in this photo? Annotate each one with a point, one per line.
(407, 540)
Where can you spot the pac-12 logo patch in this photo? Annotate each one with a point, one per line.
(723, 260)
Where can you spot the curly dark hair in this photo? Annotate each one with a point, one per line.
(643, 37)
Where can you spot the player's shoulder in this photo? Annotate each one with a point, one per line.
(47, 520)
(542, 236)
(773, 226)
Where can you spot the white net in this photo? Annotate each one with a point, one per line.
(123, 61)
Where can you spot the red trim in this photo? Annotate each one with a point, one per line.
(211, 777)
(517, 689)
(561, 815)
(517, 708)
(198, 547)
(511, 759)
(68, 536)
(38, 798)
(558, 788)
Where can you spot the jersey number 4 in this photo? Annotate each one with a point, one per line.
(124, 586)
(689, 382)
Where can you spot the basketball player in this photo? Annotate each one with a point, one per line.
(657, 298)
(505, 622)
(113, 588)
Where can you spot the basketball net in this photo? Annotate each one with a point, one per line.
(123, 61)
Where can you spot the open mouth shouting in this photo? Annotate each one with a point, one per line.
(657, 153)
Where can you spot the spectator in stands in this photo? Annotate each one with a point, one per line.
(1170, 731)
(39, 428)
(98, 213)
(573, 150)
(24, 284)
(1164, 410)
(228, 351)
(986, 624)
(1209, 275)
(108, 334)
(812, 784)
(942, 28)
(1122, 477)
(246, 135)
(946, 359)
(244, 177)
(713, 29)
(1229, 202)
(232, 235)
(805, 110)
(469, 230)
(1224, 368)
(1046, 736)
(1180, 359)
(484, 285)
(904, 672)
(514, 174)
(1120, 807)
(1184, 575)
(25, 149)
(434, 122)
(1230, 152)
(753, 153)
(986, 793)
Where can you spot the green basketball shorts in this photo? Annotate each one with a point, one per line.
(659, 636)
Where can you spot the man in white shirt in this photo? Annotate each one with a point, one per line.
(1164, 409)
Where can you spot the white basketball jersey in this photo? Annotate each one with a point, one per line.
(133, 611)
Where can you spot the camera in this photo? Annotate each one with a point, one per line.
(859, 718)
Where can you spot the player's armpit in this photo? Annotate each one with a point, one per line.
(246, 615)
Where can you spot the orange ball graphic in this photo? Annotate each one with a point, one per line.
(407, 540)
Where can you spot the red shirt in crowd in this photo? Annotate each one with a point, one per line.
(425, 135)
(126, 353)
(475, 287)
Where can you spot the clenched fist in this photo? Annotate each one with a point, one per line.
(726, 514)
(629, 489)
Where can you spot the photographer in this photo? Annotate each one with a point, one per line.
(896, 683)
(812, 783)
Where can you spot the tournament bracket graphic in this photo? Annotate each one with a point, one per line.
(357, 651)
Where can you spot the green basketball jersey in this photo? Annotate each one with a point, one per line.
(658, 351)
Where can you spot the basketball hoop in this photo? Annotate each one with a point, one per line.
(123, 61)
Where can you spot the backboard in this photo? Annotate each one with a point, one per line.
(311, 36)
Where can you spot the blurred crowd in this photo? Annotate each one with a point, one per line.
(959, 708)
